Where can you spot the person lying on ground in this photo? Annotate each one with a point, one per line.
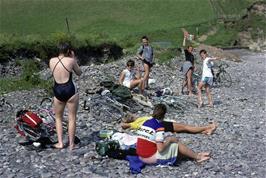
(153, 148)
(130, 77)
(206, 79)
(133, 122)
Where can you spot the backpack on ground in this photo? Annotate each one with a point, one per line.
(119, 91)
(103, 147)
(28, 125)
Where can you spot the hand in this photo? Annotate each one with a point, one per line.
(72, 54)
(186, 34)
(194, 68)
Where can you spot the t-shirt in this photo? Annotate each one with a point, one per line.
(206, 71)
(129, 75)
(149, 134)
(189, 56)
(139, 122)
(146, 52)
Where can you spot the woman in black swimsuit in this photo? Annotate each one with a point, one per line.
(65, 93)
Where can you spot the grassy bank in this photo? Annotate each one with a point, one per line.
(33, 27)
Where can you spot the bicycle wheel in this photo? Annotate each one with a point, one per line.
(224, 79)
(5, 106)
(46, 102)
(102, 111)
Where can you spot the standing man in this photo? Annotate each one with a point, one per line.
(145, 53)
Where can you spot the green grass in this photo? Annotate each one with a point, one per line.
(114, 20)
(29, 79)
(41, 23)
(15, 84)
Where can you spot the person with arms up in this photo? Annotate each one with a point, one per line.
(65, 92)
(188, 67)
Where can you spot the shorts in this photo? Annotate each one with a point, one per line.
(126, 84)
(185, 67)
(148, 63)
(168, 126)
(207, 80)
(168, 156)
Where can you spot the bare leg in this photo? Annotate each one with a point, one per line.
(189, 82)
(72, 106)
(201, 84)
(146, 74)
(199, 157)
(125, 125)
(184, 84)
(208, 93)
(208, 129)
(138, 82)
(59, 110)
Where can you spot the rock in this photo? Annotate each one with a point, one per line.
(237, 146)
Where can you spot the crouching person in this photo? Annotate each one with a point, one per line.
(130, 77)
(153, 148)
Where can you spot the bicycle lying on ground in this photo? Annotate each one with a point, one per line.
(5, 106)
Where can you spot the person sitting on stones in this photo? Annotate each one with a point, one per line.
(130, 77)
(153, 148)
(133, 122)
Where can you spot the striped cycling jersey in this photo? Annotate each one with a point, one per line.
(149, 133)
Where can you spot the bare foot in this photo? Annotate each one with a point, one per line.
(191, 94)
(200, 104)
(73, 147)
(58, 146)
(203, 156)
(210, 105)
(211, 128)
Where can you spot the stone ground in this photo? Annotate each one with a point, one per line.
(238, 146)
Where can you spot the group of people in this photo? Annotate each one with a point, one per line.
(207, 73)
(152, 146)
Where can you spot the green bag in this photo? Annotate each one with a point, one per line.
(103, 147)
(121, 91)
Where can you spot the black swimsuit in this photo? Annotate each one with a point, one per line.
(64, 91)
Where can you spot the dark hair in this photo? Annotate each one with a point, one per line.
(64, 48)
(130, 63)
(203, 51)
(189, 46)
(144, 37)
(159, 111)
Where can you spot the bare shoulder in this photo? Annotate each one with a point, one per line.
(52, 60)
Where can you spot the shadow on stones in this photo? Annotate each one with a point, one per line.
(93, 137)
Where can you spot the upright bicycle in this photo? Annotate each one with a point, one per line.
(222, 77)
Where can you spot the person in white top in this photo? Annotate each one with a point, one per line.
(206, 79)
(130, 77)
